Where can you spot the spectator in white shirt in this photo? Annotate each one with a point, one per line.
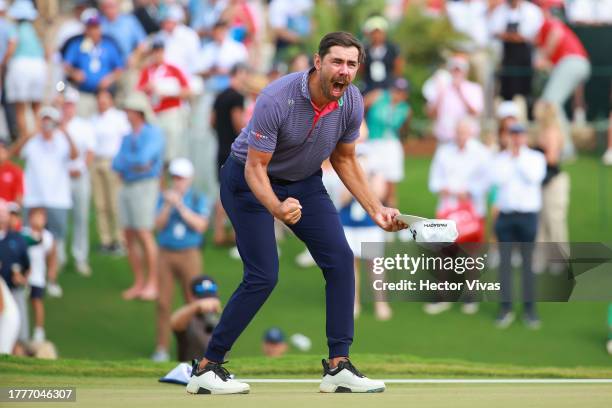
(218, 57)
(182, 44)
(47, 156)
(82, 134)
(518, 173)
(459, 170)
(451, 97)
(110, 125)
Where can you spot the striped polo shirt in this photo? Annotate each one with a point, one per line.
(299, 136)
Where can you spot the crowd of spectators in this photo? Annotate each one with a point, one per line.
(135, 104)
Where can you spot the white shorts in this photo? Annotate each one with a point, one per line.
(386, 157)
(26, 80)
(138, 203)
(356, 235)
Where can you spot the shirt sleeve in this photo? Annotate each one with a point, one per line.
(436, 174)
(25, 151)
(71, 56)
(532, 21)
(354, 122)
(264, 125)
(202, 206)
(116, 58)
(19, 182)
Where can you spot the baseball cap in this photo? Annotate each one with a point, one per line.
(90, 17)
(50, 112)
(375, 23)
(3, 5)
(204, 287)
(274, 335)
(517, 128)
(507, 109)
(181, 167)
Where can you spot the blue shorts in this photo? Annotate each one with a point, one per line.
(36, 292)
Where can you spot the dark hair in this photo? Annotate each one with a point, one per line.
(343, 39)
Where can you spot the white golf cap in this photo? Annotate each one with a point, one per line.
(507, 109)
(181, 167)
(51, 113)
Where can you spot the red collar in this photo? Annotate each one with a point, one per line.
(319, 113)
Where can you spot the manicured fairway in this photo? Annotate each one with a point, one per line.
(142, 392)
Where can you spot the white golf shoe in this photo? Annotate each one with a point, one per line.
(346, 378)
(214, 379)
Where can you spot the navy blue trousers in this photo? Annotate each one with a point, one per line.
(518, 228)
(321, 231)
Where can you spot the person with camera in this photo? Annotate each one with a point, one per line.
(181, 221)
(194, 323)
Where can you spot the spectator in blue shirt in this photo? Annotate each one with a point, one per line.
(93, 62)
(182, 219)
(125, 29)
(139, 164)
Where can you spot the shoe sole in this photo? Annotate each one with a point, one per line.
(330, 388)
(206, 391)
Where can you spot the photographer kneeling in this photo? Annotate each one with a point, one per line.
(194, 323)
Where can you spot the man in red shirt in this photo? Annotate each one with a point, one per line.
(11, 176)
(561, 50)
(167, 87)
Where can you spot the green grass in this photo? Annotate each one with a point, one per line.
(91, 321)
(146, 393)
(301, 366)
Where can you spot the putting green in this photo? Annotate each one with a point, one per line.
(142, 392)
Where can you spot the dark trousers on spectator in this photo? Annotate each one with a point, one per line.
(321, 231)
(518, 228)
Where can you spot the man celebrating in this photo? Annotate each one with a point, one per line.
(274, 171)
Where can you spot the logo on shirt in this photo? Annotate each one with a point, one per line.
(259, 136)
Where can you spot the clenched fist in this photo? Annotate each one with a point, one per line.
(289, 211)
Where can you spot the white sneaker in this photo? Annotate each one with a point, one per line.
(160, 356)
(607, 157)
(38, 335)
(83, 269)
(436, 308)
(304, 259)
(470, 308)
(54, 290)
(346, 378)
(214, 379)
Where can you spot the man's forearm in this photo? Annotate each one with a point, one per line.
(256, 176)
(353, 177)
